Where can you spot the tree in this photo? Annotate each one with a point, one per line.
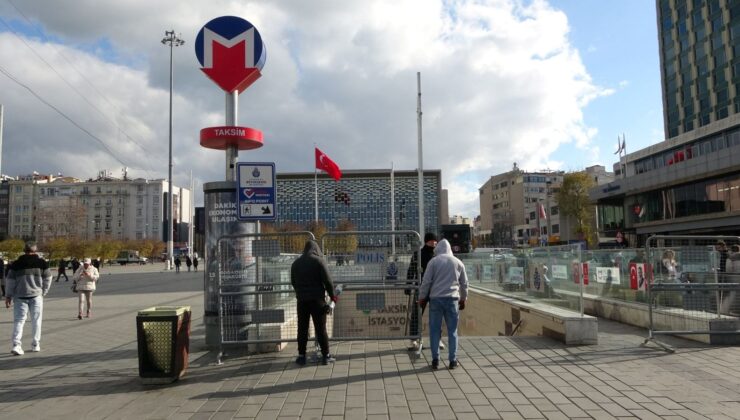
(81, 248)
(292, 244)
(343, 244)
(57, 248)
(108, 249)
(573, 202)
(11, 248)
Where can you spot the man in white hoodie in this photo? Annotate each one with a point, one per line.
(445, 287)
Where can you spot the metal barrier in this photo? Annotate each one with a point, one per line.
(373, 267)
(689, 290)
(549, 274)
(255, 298)
(257, 302)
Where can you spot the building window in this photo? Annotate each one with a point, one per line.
(722, 113)
(555, 229)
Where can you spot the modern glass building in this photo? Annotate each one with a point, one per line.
(690, 183)
(363, 197)
(700, 62)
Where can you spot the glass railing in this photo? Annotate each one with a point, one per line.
(552, 275)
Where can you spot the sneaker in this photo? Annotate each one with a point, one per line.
(301, 359)
(413, 345)
(435, 364)
(327, 359)
(453, 364)
(441, 345)
(36, 348)
(17, 351)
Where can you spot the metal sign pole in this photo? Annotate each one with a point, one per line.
(232, 153)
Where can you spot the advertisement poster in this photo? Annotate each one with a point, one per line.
(516, 275)
(639, 275)
(607, 275)
(559, 272)
(235, 255)
(537, 274)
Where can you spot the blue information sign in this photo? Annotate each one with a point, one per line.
(255, 191)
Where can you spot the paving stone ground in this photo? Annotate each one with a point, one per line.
(89, 369)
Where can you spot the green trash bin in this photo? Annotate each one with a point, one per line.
(163, 336)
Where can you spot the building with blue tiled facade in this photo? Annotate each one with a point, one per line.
(363, 197)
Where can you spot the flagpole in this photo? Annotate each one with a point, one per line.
(623, 151)
(315, 188)
(393, 214)
(421, 165)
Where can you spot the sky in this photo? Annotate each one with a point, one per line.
(543, 84)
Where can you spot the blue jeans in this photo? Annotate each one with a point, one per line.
(21, 308)
(443, 308)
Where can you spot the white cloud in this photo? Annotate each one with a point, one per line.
(501, 83)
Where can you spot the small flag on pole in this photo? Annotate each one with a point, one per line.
(327, 165)
(541, 209)
(619, 146)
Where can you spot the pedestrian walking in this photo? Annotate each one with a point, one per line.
(445, 287)
(732, 268)
(62, 270)
(177, 264)
(195, 263)
(2, 275)
(188, 262)
(29, 280)
(427, 253)
(85, 279)
(721, 248)
(311, 282)
(75, 265)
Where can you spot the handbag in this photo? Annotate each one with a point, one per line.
(74, 287)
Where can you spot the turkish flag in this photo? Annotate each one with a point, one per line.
(327, 165)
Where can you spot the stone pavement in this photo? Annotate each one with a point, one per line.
(89, 369)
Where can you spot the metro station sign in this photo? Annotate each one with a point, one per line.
(230, 52)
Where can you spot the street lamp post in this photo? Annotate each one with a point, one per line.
(172, 40)
(548, 212)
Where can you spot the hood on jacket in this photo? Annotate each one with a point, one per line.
(443, 247)
(312, 248)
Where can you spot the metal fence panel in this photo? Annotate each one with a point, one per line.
(257, 302)
(690, 289)
(256, 299)
(378, 299)
(550, 274)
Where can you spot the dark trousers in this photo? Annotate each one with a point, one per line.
(414, 321)
(62, 274)
(314, 309)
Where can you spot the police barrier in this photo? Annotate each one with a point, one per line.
(379, 285)
(690, 289)
(257, 302)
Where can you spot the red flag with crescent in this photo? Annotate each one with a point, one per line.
(327, 165)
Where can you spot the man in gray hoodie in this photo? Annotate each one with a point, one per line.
(445, 287)
(29, 280)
